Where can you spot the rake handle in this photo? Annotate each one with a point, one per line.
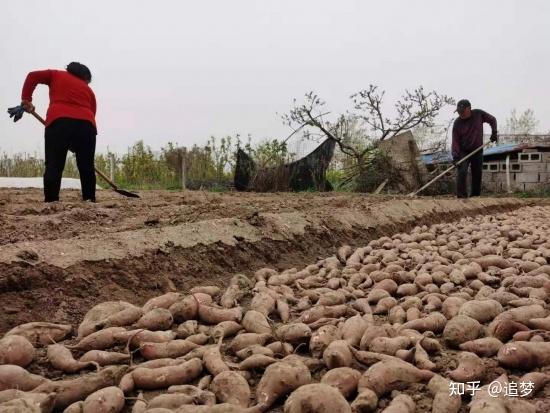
(449, 169)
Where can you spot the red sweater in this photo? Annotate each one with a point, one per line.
(70, 96)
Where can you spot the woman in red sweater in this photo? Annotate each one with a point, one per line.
(70, 125)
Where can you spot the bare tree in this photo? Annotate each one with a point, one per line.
(413, 109)
(523, 124)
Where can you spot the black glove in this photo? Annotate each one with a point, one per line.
(494, 136)
(16, 112)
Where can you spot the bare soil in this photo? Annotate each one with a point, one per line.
(57, 260)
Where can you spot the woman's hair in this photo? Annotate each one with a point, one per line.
(79, 70)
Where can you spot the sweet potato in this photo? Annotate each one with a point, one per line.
(524, 355)
(140, 406)
(185, 309)
(162, 301)
(470, 368)
(505, 329)
(230, 387)
(244, 340)
(170, 401)
(107, 400)
(344, 379)
(279, 379)
(73, 390)
(492, 261)
(125, 317)
(365, 402)
(388, 345)
(337, 354)
(401, 403)
(256, 361)
(433, 322)
(200, 338)
(484, 347)
(385, 376)
(215, 315)
(196, 393)
(256, 322)
(317, 397)
(16, 377)
(280, 349)
(235, 291)
(225, 329)
(443, 401)
(263, 302)
(100, 340)
(170, 349)
(481, 310)
(294, 333)
(460, 329)
(24, 405)
(374, 331)
(41, 333)
(540, 323)
(483, 402)
(353, 329)
(156, 319)
(137, 337)
(211, 290)
(43, 401)
(218, 408)
(253, 350)
(317, 312)
(62, 359)
(213, 360)
(126, 383)
(283, 309)
(521, 315)
(377, 294)
(397, 315)
(538, 380)
(16, 350)
(95, 317)
(321, 338)
(164, 377)
(451, 306)
(421, 358)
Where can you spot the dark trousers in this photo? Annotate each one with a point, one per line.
(475, 162)
(78, 136)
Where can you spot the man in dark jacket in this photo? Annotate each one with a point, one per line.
(467, 137)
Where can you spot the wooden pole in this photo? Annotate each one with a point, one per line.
(112, 167)
(183, 183)
(508, 188)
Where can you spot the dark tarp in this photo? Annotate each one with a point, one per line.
(308, 173)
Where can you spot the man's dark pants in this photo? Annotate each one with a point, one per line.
(66, 134)
(476, 163)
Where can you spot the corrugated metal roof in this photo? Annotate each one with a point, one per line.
(445, 156)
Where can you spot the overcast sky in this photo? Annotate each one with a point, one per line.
(184, 70)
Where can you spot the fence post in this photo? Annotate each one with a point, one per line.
(112, 167)
(183, 183)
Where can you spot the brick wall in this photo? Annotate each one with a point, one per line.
(531, 172)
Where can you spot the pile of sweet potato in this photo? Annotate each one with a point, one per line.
(381, 328)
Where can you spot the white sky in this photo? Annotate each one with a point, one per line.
(184, 70)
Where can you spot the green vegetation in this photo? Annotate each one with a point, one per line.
(210, 166)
